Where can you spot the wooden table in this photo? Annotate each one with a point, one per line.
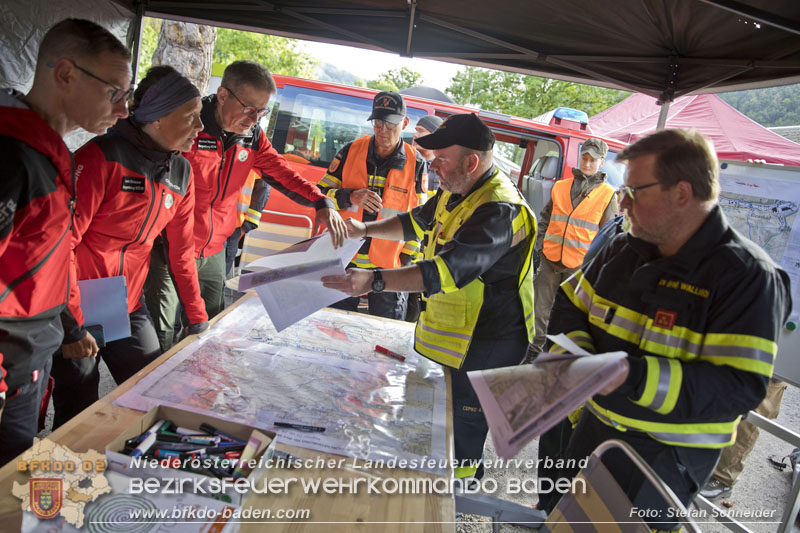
(100, 423)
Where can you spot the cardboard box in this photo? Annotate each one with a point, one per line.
(186, 481)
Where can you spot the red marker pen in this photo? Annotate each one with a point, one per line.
(387, 351)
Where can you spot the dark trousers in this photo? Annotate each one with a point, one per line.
(385, 304)
(231, 247)
(552, 445)
(77, 380)
(685, 470)
(27, 379)
(469, 424)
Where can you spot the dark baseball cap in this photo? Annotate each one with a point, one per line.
(388, 106)
(429, 123)
(595, 148)
(465, 130)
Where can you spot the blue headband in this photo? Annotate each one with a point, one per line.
(165, 96)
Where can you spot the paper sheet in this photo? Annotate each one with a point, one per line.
(104, 302)
(288, 282)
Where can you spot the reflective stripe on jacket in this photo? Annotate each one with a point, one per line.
(700, 327)
(445, 328)
(398, 196)
(571, 230)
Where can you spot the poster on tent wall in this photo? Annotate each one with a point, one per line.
(762, 203)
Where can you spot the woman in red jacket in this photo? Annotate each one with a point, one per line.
(132, 183)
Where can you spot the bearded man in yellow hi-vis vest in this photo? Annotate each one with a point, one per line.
(476, 274)
(373, 178)
(578, 207)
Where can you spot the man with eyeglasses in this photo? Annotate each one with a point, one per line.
(697, 307)
(229, 147)
(373, 178)
(82, 77)
(578, 207)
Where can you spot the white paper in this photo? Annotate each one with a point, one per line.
(288, 282)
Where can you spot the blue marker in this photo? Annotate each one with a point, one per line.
(148, 439)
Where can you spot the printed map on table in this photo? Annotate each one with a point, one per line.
(322, 371)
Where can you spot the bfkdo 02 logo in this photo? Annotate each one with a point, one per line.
(46, 497)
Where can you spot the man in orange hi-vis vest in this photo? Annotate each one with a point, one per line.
(578, 207)
(376, 177)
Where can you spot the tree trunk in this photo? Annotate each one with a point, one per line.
(187, 47)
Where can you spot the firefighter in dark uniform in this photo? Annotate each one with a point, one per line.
(698, 308)
(475, 275)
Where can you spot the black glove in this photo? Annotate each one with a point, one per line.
(248, 226)
(194, 329)
(537, 260)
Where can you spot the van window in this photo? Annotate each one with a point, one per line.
(615, 171)
(312, 126)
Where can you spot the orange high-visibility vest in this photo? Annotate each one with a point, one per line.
(243, 202)
(399, 196)
(571, 230)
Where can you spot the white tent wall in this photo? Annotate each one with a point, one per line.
(24, 23)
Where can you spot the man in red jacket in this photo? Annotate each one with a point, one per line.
(230, 145)
(82, 79)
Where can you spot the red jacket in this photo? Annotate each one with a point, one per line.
(128, 191)
(221, 162)
(35, 217)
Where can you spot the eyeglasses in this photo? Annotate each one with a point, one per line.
(624, 190)
(378, 123)
(116, 96)
(248, 109)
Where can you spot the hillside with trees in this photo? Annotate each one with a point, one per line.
(774, 106)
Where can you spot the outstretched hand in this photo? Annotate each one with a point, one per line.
(333, 221)
(355, 282)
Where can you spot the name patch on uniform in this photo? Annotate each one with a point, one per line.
(132, 184)
(398, 189)
(206, 144)
(665, 319)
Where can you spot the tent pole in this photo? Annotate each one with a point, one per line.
(136, 45)
(662, 116)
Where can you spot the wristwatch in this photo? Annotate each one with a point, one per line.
(378, 283)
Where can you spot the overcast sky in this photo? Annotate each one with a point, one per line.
(368, 64)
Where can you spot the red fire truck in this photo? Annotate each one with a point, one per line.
(312, 120)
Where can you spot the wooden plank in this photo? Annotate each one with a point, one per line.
(100, 423)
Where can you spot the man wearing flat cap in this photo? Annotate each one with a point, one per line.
(373, 178)
(578, 207)
(475, 275)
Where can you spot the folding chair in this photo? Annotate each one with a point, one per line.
(270, 237)
(604, 506)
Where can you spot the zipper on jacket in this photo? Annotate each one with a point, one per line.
(216, 195)
(155, 218)
(141, 230)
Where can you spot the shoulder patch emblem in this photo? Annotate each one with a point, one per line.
(334, 164)
(665, 319)
(243, 156)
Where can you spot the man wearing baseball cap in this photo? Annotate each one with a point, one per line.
(578, 207)
(475, 274)
(373, 178)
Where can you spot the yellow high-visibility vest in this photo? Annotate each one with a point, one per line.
(444, 330)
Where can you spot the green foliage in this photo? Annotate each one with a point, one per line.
(396, 79)
(150, 29)
(527, 96)
(332, 73)
(279, 54)
(774, 106)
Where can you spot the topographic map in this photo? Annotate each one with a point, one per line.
(322, 371)
(766, 221)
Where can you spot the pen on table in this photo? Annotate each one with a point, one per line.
(148, 439)
(300, 427)
(390, 353)
(211, 430)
